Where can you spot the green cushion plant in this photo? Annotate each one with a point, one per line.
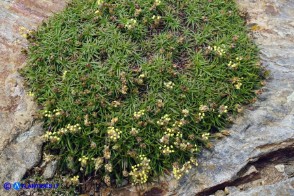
(131, 89)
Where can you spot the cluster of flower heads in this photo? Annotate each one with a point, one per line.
(185, 112)
(74, 180)
(156, 19)
(139, 114)
(239, 108)
(115, 104)
(140, 79)
(56, 135)
(202, 110)
(124, 88)
(179, 123)
(223, 110)
(114, 120)
(69, 129)
(48, 157)
(98, 162)
(24, 31)
(99, 2)
(159, 103)
(200, 116)
(219, 50)
(84, 161)
(178, 171)
(164, 120)
(113, 133)
(172, 138)
(157, 2)
(108, 167)
(232, 65)
(237, 82)
(140, 172)
(170, 132)
(134, 131)
(131, 24)
(52, 137)
(169, 85)
(31, 94)
(86, 120)
(205, 136)
(64, 75)
(167, 149)
(235, 65)
(183, 144)
(106, 152)
(54, 113)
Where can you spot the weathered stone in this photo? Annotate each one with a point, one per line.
(280, 168)
(250, 171)
(20, 143)
(20, 155)
(50, 169)
(220, 193)
(229, 190)
(282, 188)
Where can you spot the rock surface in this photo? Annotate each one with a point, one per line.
(284, 188)
(50, 169)
(20, 143)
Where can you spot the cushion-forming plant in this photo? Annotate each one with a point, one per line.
(136, 88)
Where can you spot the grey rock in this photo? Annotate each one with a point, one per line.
(220, 193)
(280, 168)
(250, 171)
(50, 169)
(19, 157)
(232, 189)
(284, 188)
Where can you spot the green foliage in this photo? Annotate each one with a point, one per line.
(133, 88)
